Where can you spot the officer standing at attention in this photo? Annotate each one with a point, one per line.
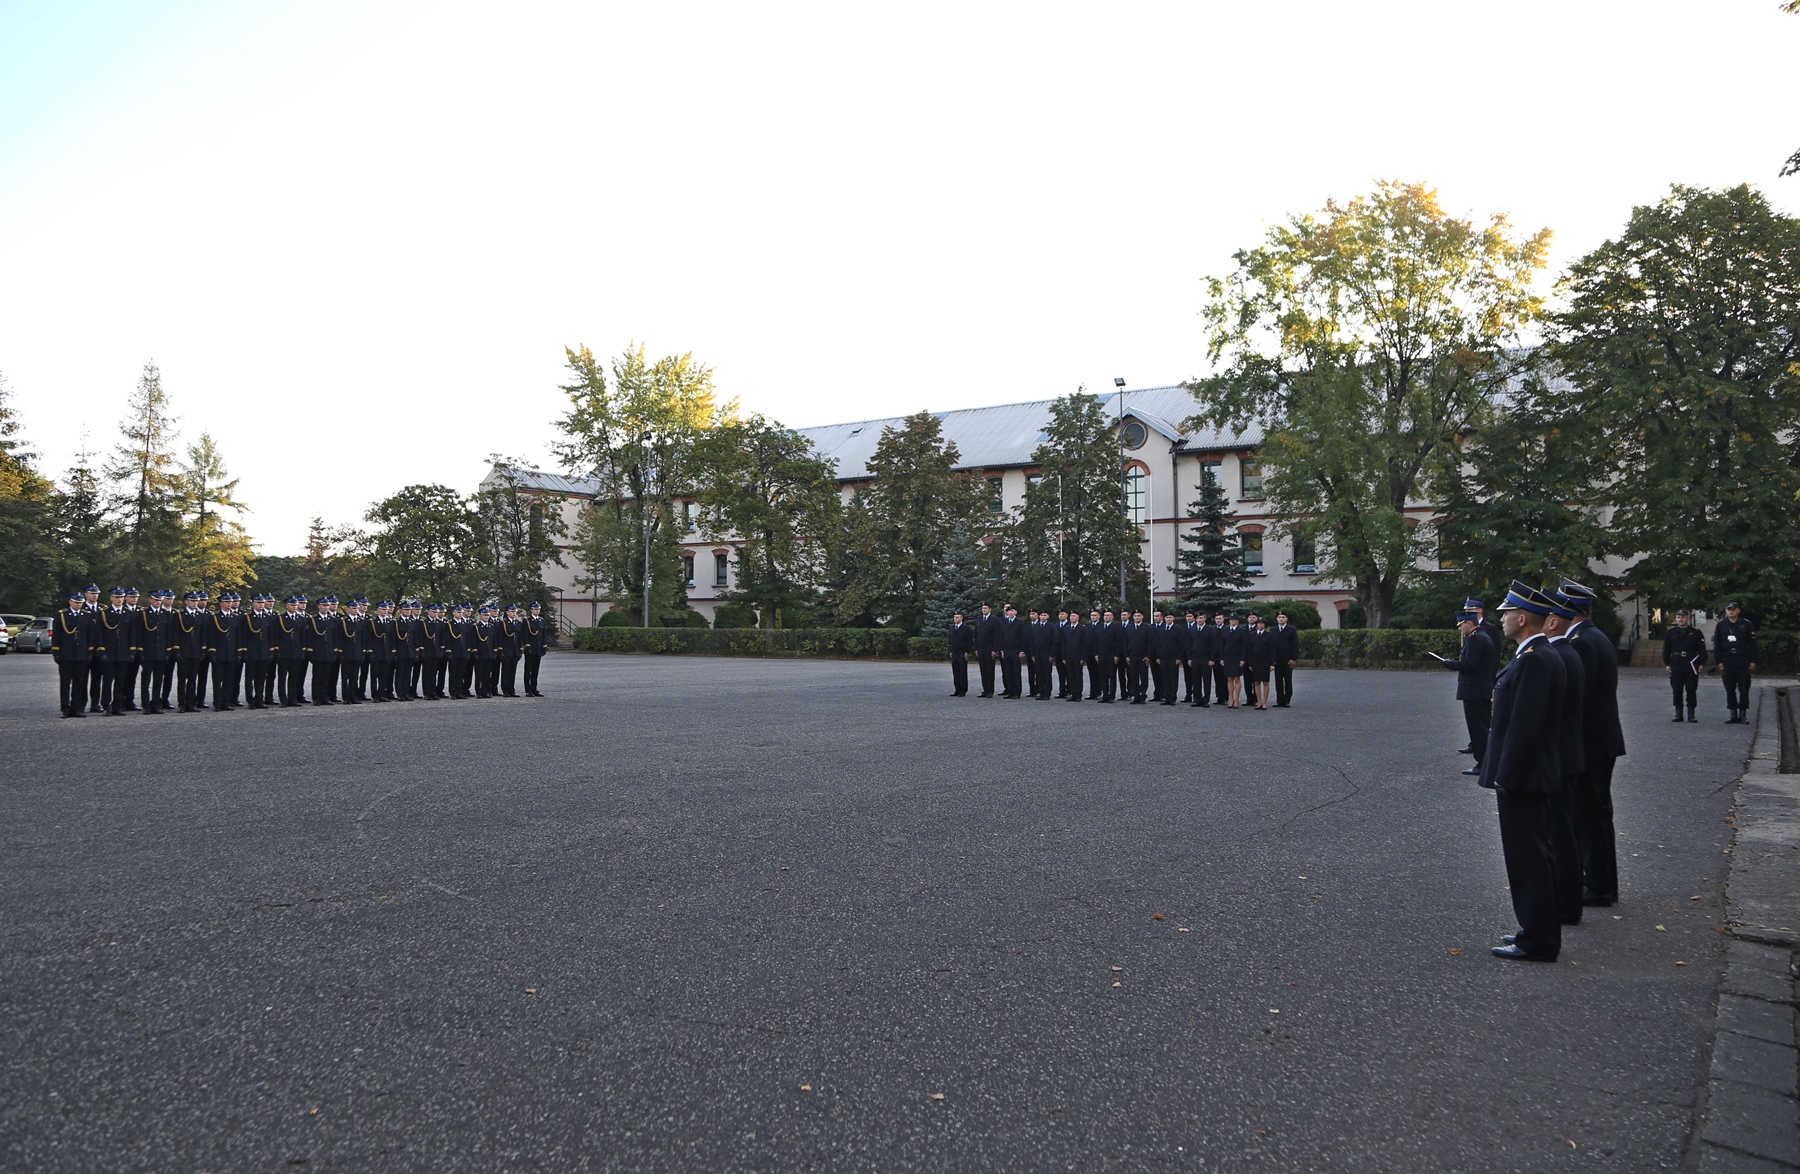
(1286, 640)
(537, 642)
(225, 646)
(190, 633)
(323, 635)
(99, 681)
(1012, 653)
(1603, 743)
(509, 649)
(458, 642)
(962, 642)
(433, 654)
(1521, 767)
(290, 651)
(1489, 626)
(1734, 647)
(125, 680)
(1684, 657)
(113, 625)
(1058, 656)
(1109, 650)
(1475, 667)
(987, 646)
(1565, 848)
(259, 654)
(70, 634)
(155, 627)
(1074, 653)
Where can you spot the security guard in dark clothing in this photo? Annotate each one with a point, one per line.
(1734, 647)
(1684, 658)
(71, 634)
(1074, 654)
(1475, 668)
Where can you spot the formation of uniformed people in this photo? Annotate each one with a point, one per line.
(1164, 659)
(1545, 734)
(121, 658)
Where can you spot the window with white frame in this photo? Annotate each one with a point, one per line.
(1137, 485)
(1252, 546)
(721, 569)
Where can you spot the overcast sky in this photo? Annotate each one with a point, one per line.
(356, 237)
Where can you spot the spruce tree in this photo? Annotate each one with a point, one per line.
(1210, 571)
(959, 585)
(148, 486)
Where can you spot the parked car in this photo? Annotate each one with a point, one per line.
(34, 636)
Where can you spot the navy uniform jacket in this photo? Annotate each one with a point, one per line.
(406, 638)
(289, 635)
(1495, 633)
(1475, 667)
(224, 636)
(1601, 735)
(1136, 638)
(537, 635)
(1684, 646)
(190, 633)
(112, 635)
(457, 638)
(378, 639)
(1076, 644)
(483, 640)
(431, 639)
(1166, 642)
(1569, 716)
(1040, 639)
(1259, 652)
(1203, 643)
(1234, 646)
(154, 628)
(962, 639)
(347, 637)
(512, 638)
(1011, 636)
(259, 636)
(1287, 643)
(1107, 644)
(1522, 747)
(71, 634)
(987, 633)
(1734, 643)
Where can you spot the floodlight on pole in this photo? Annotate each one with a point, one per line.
(1124, 500)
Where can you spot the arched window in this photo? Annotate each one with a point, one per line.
(1137, 495)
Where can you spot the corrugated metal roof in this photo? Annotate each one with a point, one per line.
(1007, 434)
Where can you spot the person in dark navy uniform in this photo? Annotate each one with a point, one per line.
(1201, 641)
(1109, 651)
(113, 626)
(1168, 645)
(1221, 679)
(257, 634)
(125, 674)
(1734, 648)
(191, 624)
(1091, 642)
(1074, 654)
(1521, 766)
(1492, 629)
(71, 634)
(155, 630)
(1040, 648)
(1684, 659)
(1259, 661)
(323, 638)
(435, 654)
(1286, 642)
(290, 636)
(1565, 846)
(1603, 744)
(1010, 644)
(225, 649)
(1057, 660)
(378, 652)
(1234, 647)
(456, 646)
(962, 643)
(987, 646)
(1137, 658)
(1475, 667)
(537, 643)
(509, 646)
(347, 640)
(98, 680)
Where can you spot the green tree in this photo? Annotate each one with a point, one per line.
(147, 486)
(914, 505)
(635, 435)
(959, 585)
(30, 557)
(216, 551)
(1209, 570)
(1070, 536)
(84, 533)
(423, 544)
(514, 536)
(763, 484)
(1361, 341)
(1681, 344)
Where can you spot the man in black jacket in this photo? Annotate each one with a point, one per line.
(1565, 845)
(1074, 653)
(537, 642)
(258, 638)
(987, 646)
(1041, 645)
(113, 628)
(1475, 667)
(71, 633)
(1684, 658)
(225, 649)
(1734, 648)
(1489, 626)
(1166, 645)
(1603, 744)
(191, 624)
(290, 652)
(1107, 652)
(154, 625)
(1521, 765)
(1011, 647)
(962, 642)
(1137, 655)
(1286, 640)
(1200, 657)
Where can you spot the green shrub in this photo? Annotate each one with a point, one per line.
(684, 619)
(928, 648)
(1780, 652)
(1302, 613)
(734, 615)
(1377, 647)
(618, 617)
(719, 641)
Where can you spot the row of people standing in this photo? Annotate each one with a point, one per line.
(110, 656)
(1164, 659)
(1546, 744)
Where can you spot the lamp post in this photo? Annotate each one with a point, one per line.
(1124, 501)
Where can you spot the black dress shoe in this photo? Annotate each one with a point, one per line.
(1595, 900)
(1473, 770)
(1513, 952)
(1467, 750)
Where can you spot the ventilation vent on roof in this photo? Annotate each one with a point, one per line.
(856, 429)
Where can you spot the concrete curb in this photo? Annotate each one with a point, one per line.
(1749, 1116)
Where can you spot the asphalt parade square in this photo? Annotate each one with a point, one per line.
(688, 914)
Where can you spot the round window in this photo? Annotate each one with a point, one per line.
(1133, 434)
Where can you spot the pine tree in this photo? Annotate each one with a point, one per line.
(81, 527)
(959, 585)
(147, 497)
(30, 557)
(1210, 571)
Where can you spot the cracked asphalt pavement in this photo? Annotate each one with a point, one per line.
(814, 915)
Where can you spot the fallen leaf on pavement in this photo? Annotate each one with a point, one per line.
(1660, 929)
(806, 1088)
(937, 1096)
(1454, 950)
(1158, 916)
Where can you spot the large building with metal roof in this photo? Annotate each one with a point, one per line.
(1164, 464)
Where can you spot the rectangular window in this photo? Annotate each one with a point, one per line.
(1445, 561)
(996, 500)
(721, 569)
(687, 518)
(687, 569)
(1214, 470)
(1252, 546)
(1032, 481)
(1304, 559)
(1135, 495)
(1251, 468)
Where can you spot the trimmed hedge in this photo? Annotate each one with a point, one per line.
(828, 642)
(1347, 648)
(1780, 652)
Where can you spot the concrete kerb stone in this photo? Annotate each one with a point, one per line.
(1749, 1116)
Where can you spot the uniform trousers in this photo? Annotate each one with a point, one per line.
(191, 682)
(293, 680)
(1009, 673)
(1190, 679)
(509, 676)
(959, 675)
(1062, 678)
(150, 676)
(1041, 665)
(1123, 673)
(461, 673)
(1478, 715)
(165, 680)
(1095, 686)
(985, 661)
(1594, 830)
(271, 674)
(1737, 685)
(124, 685)
(1565, 851)
(99, 685)
(1074, 691)
(1525, 843)
(1140, 677)
(1683, 679)
(1221, 675)
(324, 682)
(226, 674)
(1202, 683)
(1034, 674)
(381, 679)
(535, 659)
(256, 682)
(1284, 682)
(71, 685)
